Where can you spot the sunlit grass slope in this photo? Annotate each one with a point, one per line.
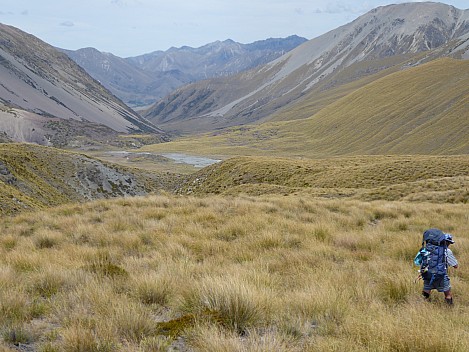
(420, 110)
(342, 83)
(415, 178)
(423, 110)
(228, 274)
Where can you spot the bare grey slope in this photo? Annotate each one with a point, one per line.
(394, 31)
(37, 78)
(142, 80)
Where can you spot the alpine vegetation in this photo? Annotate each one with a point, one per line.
(232, 273)
(336, 207)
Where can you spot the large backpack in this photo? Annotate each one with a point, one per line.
(433, 265)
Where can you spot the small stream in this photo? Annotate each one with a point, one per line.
(196, 161)
(179, 158)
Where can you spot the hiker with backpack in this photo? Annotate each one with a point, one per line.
(434, 258)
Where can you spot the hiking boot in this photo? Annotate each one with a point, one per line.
(449, 301)
(426, 295)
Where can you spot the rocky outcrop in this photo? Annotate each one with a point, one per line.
(36, 176)
(5, 174)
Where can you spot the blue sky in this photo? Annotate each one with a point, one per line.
(133, 27)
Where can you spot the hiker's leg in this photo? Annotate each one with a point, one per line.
(447, 291)
(448, 297)
(427, 288)
(426, 294)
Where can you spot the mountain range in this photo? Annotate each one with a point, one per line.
(142, 80)
(385, 40)
(48, 99)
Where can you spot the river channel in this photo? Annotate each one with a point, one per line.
(178, 158)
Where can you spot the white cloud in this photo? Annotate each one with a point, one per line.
(67, 24)
(344, 7)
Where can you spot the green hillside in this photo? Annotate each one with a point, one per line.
(420, 110)
(342, 83)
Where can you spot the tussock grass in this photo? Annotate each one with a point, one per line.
(232, 273)
(410, 178)
(154, 288)
(210, 338)
(235, 302)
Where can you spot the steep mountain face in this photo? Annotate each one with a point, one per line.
(142, 80)
(392, 36)
(46, 84)
(123, 79)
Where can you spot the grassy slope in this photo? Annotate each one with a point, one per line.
(228, 274)
(36, 177)
(37, 182)
(340, 84)
(429, 178)
(421, 110)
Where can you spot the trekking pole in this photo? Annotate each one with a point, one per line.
(419, 277)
